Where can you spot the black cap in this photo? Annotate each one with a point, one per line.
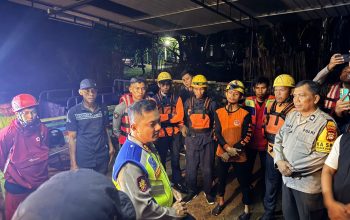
(87, 84)
(81, 194)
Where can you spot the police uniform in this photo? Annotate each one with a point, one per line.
(305, 144)
(139, 173)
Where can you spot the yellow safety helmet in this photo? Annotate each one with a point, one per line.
(199, 81)
(284, 80)
(236, 85)
(164, 76)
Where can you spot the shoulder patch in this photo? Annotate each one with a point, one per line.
(142, 183)
(327, 137)
(331, 131)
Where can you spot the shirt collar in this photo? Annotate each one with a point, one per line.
(83, 108)
(311, 118)
(147, 147)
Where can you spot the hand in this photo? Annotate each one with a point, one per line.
(177, 195)
(284, 167)
(74, 166)
(337, 211)
(342, 106)
(184, 130)
(232, 151)
(225, 157)
(180, 208)
(111, 154)
(335, 60)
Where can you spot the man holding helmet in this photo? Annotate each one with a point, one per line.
(23, 152)
(277, 112)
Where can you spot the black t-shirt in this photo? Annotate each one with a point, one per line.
(92, 140)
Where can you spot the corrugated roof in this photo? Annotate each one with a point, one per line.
(190, 16)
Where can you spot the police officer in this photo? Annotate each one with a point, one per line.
(121, 123)
(276, 114)
(171, 112)
(199, 112)
(138, 171)
(301, 147)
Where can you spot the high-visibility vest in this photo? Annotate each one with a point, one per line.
(167, 105)
(275, 118)
(151, 165)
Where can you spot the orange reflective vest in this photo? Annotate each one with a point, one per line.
(231, 124)
(125, 122)
(276, 115)
(199, 119)
(171, 113)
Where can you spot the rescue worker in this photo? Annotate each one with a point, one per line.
(256, 106)
(186, 89)
(90, 146)
(233, 131)
(199, 113)
(301, 147)
(138, 171)
(24, 152)
(121, 123)
(335, 179)
(277, 112)
(171, 112)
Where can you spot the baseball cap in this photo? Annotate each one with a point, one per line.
(88, 83)
(78, 194)
(137, 80)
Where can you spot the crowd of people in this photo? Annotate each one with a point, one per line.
(300, 138)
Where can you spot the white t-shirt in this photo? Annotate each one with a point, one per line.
(333, 157)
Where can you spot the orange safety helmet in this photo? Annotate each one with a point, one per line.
(23, 101)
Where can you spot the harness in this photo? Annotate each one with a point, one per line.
(199, 119)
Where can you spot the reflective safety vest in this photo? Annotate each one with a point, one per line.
(250, 103)
(275, 118)
(198, 118)
(167, 105)
(125, 122)
(151, 165)
(258, 141)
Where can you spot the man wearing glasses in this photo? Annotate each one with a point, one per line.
(89, 143)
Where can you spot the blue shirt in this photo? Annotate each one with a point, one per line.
(92, 140)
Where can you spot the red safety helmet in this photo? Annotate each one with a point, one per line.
(23, 101)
